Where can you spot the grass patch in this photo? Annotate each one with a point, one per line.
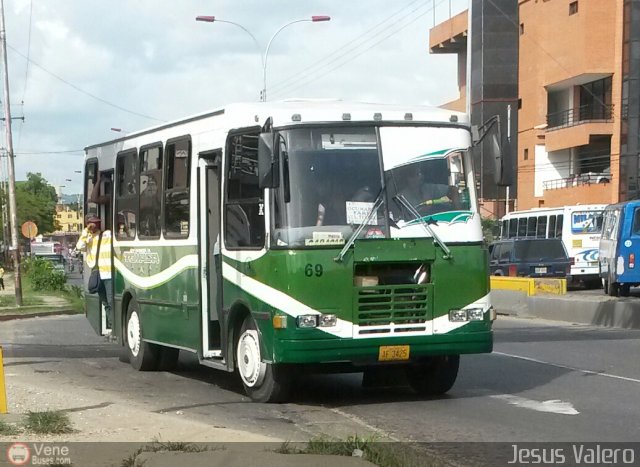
(10, 300)
(8, 429)
(157, 446)
(48, 422)
(383, 454)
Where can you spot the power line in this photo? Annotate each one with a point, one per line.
(331, 56)
(348, 59)
(100, 99)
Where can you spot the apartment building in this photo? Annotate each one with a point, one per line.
(570, 85)
(578, 108)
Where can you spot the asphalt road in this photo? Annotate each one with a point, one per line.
(544, 382)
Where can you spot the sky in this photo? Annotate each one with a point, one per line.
(78, 68)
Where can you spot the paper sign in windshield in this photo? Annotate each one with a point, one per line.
(357, 212)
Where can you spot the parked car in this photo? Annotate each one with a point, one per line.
(619, 244)
(529, 257)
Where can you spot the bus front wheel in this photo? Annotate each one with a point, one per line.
(434, 377)
(263, 382)
(143, 356)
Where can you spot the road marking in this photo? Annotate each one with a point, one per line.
(567, 367)
(551, 406)
(359, 421)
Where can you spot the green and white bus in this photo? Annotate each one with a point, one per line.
(272, 238)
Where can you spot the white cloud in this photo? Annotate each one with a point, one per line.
(152, 57)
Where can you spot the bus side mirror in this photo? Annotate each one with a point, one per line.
(497, 156)
(268, 170)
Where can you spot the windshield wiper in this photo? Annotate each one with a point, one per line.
(403, 201)
(354, 235)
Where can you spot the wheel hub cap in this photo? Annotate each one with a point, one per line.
(250, 364)
(133, 334)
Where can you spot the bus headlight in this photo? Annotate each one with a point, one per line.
(475, 314)
(457, 315)
(307, 321)
(327, 321)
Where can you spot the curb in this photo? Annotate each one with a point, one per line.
(603, 312)
(38, 314)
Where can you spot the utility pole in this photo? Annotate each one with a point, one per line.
(15, 246)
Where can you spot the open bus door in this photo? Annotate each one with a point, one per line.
(94, 308)
(213, 340)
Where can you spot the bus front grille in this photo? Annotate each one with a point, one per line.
(391, 309)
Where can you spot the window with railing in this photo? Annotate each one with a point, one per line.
(595, 105)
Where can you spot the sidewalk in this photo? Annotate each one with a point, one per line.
(49, 304)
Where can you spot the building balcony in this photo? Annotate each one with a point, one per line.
(450, 36)
(579, 193)
(575, 127)
(577, 180)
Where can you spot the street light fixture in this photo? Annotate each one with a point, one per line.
(263, 93)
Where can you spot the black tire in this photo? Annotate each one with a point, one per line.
(434, 377)
(613, 288)
(143, 356)
(263, 382)
(168, 358)
(623, 289)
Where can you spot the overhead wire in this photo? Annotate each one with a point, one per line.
(82, 91)
(340, 50)
(26, 73)
(354, 56)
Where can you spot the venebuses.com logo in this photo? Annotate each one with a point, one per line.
(18, 454)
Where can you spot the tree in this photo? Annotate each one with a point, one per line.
(36, 201)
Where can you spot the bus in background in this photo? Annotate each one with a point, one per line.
(618, 248)
(579, 227)
(273, 238)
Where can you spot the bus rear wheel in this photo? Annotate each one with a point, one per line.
(143, 356)
(263, 382)
(434, 377)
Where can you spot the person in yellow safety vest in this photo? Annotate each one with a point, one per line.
(88, 242)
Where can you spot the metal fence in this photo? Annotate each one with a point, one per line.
(584, 113)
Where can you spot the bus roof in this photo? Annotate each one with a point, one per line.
(310, 111)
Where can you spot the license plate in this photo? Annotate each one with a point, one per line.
(541, 270)
(393, 352)
(593, 263)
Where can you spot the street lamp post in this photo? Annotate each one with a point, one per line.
(263, 93)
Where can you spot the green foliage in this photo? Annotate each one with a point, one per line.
(490, 229)
(8, 429)
(48, 422)
(36, 201)
(43, 276)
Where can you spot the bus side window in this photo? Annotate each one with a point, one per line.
(176, 193)
(522, 227)
(150, 192)
(126, 192)
(513, 228)
(244, 207)
(552, 227)
(542, 227)
(532, 226)
(559, 226)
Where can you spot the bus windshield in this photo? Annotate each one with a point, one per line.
(331, 179)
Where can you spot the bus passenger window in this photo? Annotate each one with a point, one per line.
(176, 193)
(126, 194)
(244, 207)
(150, 192)
(559, 226)
(542, 227)
(513, 228)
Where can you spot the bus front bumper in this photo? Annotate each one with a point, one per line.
(367, 351)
